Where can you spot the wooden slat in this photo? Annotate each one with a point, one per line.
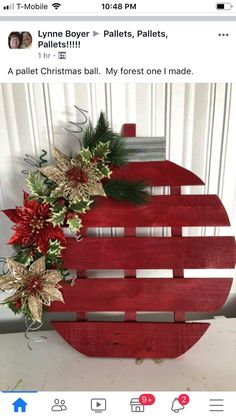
(130, 273)
(162, 173)
(167, 211)
(81, 315)
(131, 340)
(150, 253)
(129, 130)
(186, 294)
(179, 316)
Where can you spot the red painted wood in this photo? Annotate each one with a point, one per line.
(129, 130)
(175, 190)
(83, 231)
(81, 316)
(150, 253)
(175, 211)
(131, 340)
(176, 231)
(135, 339)
(130, 273)
(130, 316)
(130, 232)
(179, 316)
(165, 294)
(81, 274)
(162, 173)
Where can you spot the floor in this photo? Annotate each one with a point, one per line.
(53, 365)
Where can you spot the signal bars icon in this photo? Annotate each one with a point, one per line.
(9, 7)
(56, 5)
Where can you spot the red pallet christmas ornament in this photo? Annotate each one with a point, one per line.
(35, 270)
(131, 295)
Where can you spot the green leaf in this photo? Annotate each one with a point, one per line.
(64, 274)
(23, 309)
(75, 224)
(49, 199)
(54, 249)
(24, 258)
(57, 218)
(36, 184)
(85, 154)
(104, 170)
(81, 206)
(23, 254)
(16, 310)
(101, 150)
(26, 312)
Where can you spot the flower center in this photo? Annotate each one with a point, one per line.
(37, 223)
(76, 175)
(34, 284)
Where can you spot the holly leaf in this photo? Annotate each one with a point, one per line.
(15, 309)
(75, 224)
(54, 249)
(85, 154)
(102, 150)
(35, 184)
(81, 206)
(104, 170)
(49, 199)
(24, 257)
(58, 218)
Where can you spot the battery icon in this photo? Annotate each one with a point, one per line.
(224, 6)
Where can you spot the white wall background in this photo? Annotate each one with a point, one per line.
(198, 121)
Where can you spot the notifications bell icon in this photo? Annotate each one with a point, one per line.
(176, 406)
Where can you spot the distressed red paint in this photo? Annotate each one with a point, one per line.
(130, 294)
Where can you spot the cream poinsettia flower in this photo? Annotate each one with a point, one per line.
(76, 177)
(33, 287)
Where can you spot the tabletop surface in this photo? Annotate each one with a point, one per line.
(53, 365)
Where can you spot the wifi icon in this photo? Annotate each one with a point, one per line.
(56, 5)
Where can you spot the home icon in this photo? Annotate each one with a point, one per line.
(19, 405)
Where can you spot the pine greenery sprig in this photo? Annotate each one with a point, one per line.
(102, 133)
(126, 191)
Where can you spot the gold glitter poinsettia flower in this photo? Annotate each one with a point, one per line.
(77, 178)
(33, 287)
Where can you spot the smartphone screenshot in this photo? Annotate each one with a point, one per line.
(118, 202)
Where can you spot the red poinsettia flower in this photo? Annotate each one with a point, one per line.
(33, 225)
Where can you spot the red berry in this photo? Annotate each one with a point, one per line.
(17, 303)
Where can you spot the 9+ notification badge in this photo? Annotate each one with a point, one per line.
(138, 404)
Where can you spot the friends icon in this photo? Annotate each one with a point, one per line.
(59, 406)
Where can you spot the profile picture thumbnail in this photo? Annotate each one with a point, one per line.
(20, 40)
